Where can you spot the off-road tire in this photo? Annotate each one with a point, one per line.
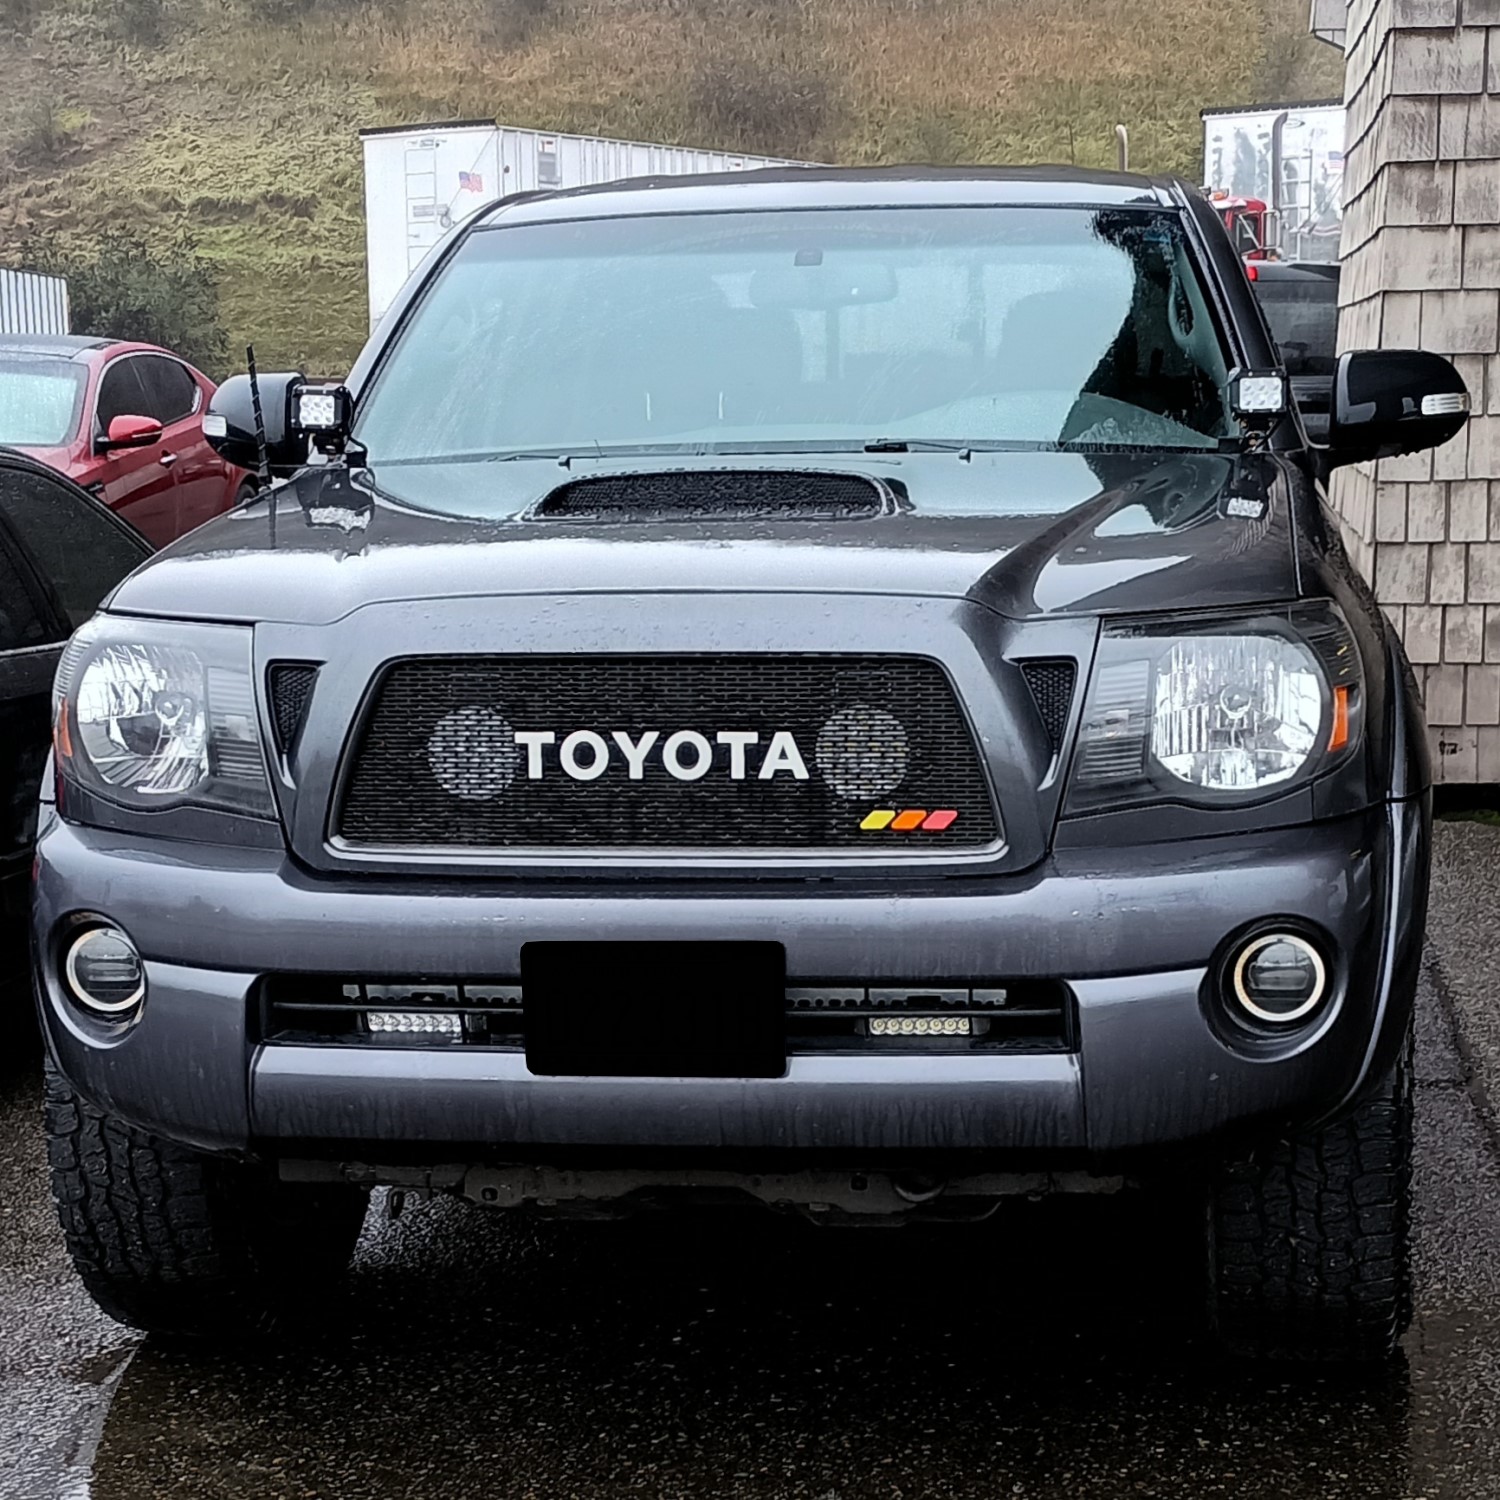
(186, 1245)
(1309, 1239)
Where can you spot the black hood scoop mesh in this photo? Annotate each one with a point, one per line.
(719, 495)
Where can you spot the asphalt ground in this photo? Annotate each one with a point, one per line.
(1054, 1352)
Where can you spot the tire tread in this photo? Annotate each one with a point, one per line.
(177, 1242)
(1310, 1238)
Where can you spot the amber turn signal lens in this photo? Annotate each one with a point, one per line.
(1340, 735)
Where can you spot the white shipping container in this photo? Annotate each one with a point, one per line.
(32, 303)
(422, 180)
(1290, 156)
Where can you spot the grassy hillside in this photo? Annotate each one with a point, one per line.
(235, 119)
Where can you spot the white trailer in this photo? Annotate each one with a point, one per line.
(422, 180)
(33, 303)
(1291, 157)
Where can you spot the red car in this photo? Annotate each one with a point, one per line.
(124, 421)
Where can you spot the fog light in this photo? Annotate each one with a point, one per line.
(104, 972)
(415, 1023)
(920, 1026)
(1279, 978)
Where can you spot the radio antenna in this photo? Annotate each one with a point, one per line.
(262, 455)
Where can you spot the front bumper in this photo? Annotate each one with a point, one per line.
(1132, 932)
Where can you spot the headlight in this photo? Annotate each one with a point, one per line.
(152, 715)
(140, 719)
(1222, 710)
(1235, 712)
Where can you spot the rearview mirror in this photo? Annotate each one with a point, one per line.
(229, 422)
(131, 432)
(1387, 402)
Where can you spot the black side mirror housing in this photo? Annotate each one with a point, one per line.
(229, 422)
(1387, 402)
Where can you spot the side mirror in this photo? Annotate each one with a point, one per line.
(1387, 402)
(229, 422)
(130, 432)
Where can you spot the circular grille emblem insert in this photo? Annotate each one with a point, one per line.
(472, 752)
(863, 753)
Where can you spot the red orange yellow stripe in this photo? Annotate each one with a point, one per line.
(909, 820)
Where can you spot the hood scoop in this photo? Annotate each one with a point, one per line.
(719, 495)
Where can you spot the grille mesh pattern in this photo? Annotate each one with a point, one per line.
(291, 685)
(1051, 684)
(699, 495)
(418, 779)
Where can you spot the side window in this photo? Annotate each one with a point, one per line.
(77, 547)
(121, 393)
(171, 393)
(22, 622)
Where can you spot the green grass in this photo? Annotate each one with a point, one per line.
(242, 128)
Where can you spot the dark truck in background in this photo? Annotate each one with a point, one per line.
(836, 687)
(1301, 303)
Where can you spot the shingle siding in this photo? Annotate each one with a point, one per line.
(1422, 270)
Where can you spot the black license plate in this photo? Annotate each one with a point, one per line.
(655, 1010)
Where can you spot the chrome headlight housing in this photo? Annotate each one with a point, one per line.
(1215, 709)
(154, 714)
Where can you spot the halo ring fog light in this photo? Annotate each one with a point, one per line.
(1279, 978)
(104, 972)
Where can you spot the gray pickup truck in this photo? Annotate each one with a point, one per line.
(833, 688)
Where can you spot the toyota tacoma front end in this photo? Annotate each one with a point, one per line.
(836, 688)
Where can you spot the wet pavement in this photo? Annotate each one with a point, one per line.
(1051, 1353)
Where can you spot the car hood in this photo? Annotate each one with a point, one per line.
(1023, 533)
(60, 457)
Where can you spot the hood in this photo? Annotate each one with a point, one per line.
(57, 456)
(1024, 533)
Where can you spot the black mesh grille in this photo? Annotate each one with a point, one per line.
(700, 494)
(881, 740)
(1051, 684)
(291, 685)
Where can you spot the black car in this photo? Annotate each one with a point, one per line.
(834, 687)
(61, 552)
(1301, 303)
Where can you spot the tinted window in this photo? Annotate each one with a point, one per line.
(1304, 319)
(22, 621)
(1017, 326)
(80, 550)
(171, 393)
(121, 393)
(39, 401)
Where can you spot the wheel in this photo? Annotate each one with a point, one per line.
(247, 491)
(182, 1244)
(1309, 1241)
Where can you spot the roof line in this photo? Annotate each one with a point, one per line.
(370, 130)
(1269, 109)
(568, 135)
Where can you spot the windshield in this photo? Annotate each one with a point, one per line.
(1304, 319)
(819, 330)
(39, 402)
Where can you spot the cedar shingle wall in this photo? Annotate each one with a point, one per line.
(1422, 269)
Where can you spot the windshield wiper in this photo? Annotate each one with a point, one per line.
(966, 451)
(919, 445)
(1208, 445)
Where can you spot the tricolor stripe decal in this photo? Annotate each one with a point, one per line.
(909, 820)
